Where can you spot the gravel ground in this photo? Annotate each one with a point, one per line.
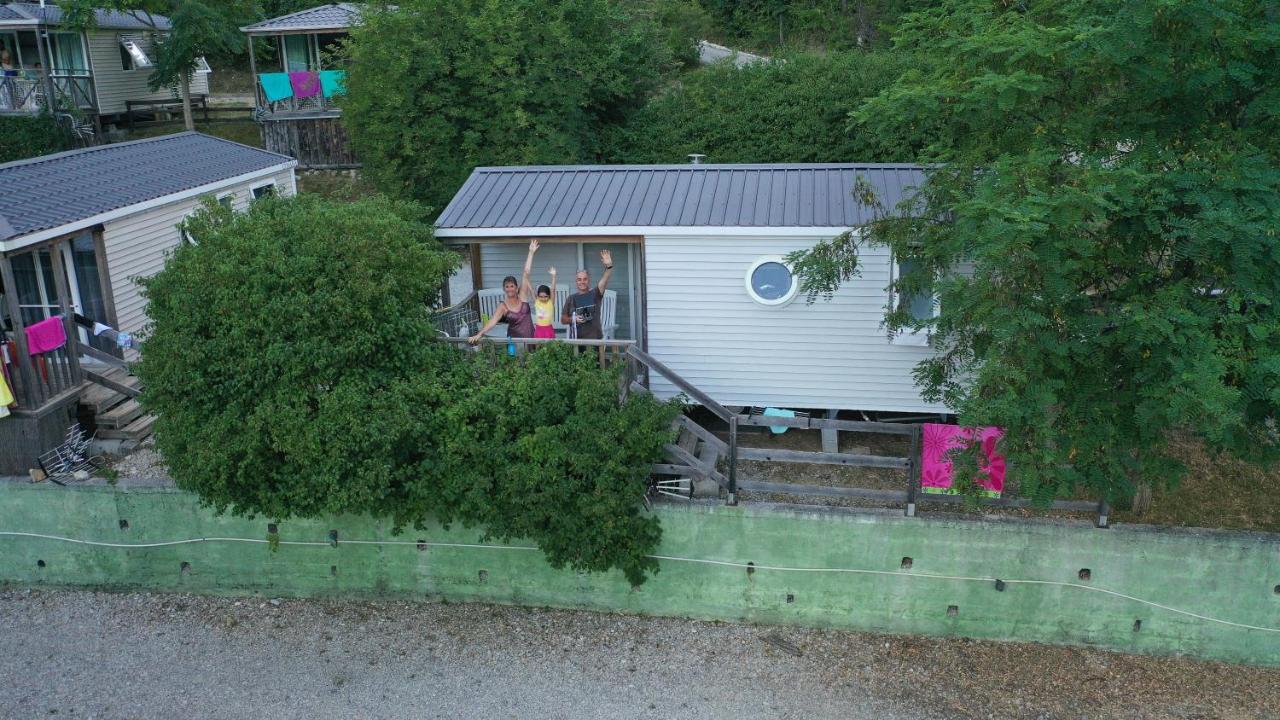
(83, 654)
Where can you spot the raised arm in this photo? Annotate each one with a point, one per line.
(497, 316)
(606, 258)
(553, 291)
(526, 288)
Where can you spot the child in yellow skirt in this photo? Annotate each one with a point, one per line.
(544, 310)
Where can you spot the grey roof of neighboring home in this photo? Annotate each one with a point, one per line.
(106, 19)
(335, 16)
(8, 14)
(786, 195)
(55, 190)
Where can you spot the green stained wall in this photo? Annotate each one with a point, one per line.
(1228, 576)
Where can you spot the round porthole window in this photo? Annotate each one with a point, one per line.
(770, 282)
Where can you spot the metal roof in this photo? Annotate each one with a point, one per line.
(335, 16)
(9, 14)
(56, 190)
(106, 19)
(787, 195)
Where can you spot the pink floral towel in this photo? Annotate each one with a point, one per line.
(305, 84)
(935, 467)
(46, 335)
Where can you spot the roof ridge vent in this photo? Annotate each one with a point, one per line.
(696, 158)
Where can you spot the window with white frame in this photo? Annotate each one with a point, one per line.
(133, 55)
(921, 304)
(227, 201)
(770, 282)
(257, 192)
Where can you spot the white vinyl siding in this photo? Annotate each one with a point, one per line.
(136, 245)
(832, 354)
(704, 325)
(498, 260)
(115, 85)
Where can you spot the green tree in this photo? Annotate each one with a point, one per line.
(1110, 182)
(792, 111)
(198, 28)
(23, 137)
(291, 365)
(438, 87)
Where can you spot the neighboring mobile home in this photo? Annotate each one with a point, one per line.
(295, 99)
(94, 72)
(702, 286)
(76, 230)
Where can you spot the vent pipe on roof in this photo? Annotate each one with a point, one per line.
(696, 158)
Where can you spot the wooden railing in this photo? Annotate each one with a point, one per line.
(39, 379)
(609, 352)
(29, 95)
(685, 462)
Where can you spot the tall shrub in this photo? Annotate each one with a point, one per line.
(292, 365)
(437, 87)
(1108, 175)
(23, 136)
(792, 111)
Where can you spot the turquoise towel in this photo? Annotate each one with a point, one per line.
(778, 412)
(276, 86)
(333, 82)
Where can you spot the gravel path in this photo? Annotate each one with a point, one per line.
(97, 655)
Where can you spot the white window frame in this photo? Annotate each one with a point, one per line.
(779, 302)
(253, 190)
(125, 41)
(906, 336)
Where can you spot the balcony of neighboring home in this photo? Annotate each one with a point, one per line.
(44, 65)
(298, 88)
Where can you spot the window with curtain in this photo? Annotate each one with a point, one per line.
(68, 54)
(297, 53)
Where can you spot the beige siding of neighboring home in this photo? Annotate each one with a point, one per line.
(115, 85)
(704, 326)
(136, 245)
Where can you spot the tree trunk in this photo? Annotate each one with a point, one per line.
(187, 119)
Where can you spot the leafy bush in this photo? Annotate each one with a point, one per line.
(292, 367)
(27, 136)
(793, 111)
(437, 87)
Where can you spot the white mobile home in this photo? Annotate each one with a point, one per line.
(699, 273)
(76, 230)
(95, 72)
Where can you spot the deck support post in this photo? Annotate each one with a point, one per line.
(831, 436)
(1104, 509)
(253, 75)
(913, 471)
(733, 460)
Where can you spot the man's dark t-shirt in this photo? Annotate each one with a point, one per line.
(587, 305)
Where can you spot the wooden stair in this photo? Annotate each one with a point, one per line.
(695, 455)
(116, 415)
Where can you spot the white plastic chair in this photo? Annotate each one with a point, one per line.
(608, 314)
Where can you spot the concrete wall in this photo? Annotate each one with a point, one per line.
(1227, 576)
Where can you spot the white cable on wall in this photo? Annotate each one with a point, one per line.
(669, 558)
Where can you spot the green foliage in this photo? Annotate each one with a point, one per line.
(291, 365)
(793, 111)
(27, 136)
(437, 87)
(831, 24)
(1111, 185)
(200, 28)
(681, 24)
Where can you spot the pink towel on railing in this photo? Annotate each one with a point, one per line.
(46, 335)
(305, 84)
(935, 467)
